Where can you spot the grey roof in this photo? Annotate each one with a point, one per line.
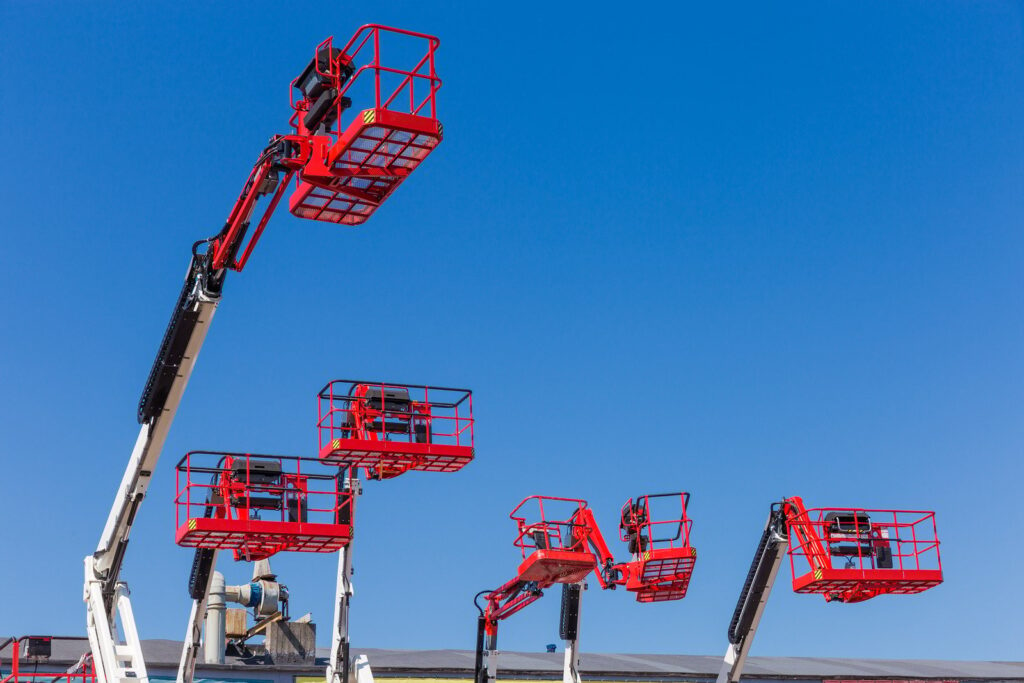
(459, 663)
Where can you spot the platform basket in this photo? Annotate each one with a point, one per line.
(391, 428)
(259, 505)
(664, 592)
(656, 529)
(374, 149)
(852, 554)
(549, 536)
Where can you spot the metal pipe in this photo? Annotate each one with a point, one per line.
(215, 641)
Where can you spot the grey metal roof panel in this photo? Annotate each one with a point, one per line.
(460, 663)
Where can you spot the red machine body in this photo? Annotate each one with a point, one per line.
(259, 505)
(389, 429)
(343, 169)
(854, 554)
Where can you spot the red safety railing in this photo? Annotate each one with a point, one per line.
(660, 519)
(553, 535)
(852, 554)
(375, 147)
(547, 523)
(258, 505)
(381, 65)
(17, 673)
(392, 428)
(656, 529)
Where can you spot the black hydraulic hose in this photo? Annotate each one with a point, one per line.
(476, 600)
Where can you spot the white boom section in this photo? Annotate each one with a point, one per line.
(765, 570)
(194, 632)
(338, 664)
(106, 597)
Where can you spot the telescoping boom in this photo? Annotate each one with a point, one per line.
(341, 166)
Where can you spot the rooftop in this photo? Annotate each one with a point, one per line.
(459, 664)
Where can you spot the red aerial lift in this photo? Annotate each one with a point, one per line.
(843, 554)
(364, 117)
(259, 505)
(561, 543)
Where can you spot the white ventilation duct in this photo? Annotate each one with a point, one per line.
(215, 641)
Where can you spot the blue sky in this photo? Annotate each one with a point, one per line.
(745, 251)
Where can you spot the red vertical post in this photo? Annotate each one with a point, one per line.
(376, 65)
(433, 82)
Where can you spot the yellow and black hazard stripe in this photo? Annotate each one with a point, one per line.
(192, 524)
(369, 115)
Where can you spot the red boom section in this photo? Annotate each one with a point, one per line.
(378, 147)
(258, 505)
(854, 554)
(657, 531)
(390, 429)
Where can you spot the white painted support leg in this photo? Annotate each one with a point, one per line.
(338, 665)
(194, 632)
(117, 660)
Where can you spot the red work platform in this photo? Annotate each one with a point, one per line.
(373, 153)
(663, 592)
(258, 539)
(259, 505)
(393, 428)
(551, 534)
(657, 531)
(852, 554)
(556, 566)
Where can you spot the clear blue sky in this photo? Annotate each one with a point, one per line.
(748, 252)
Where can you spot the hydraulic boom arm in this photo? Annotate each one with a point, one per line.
(754, 596)
(105, 596)
(344, 168)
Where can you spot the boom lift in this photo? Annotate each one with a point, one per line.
(843, 554)
(258, 505)
(343, 170)
(561, 543)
